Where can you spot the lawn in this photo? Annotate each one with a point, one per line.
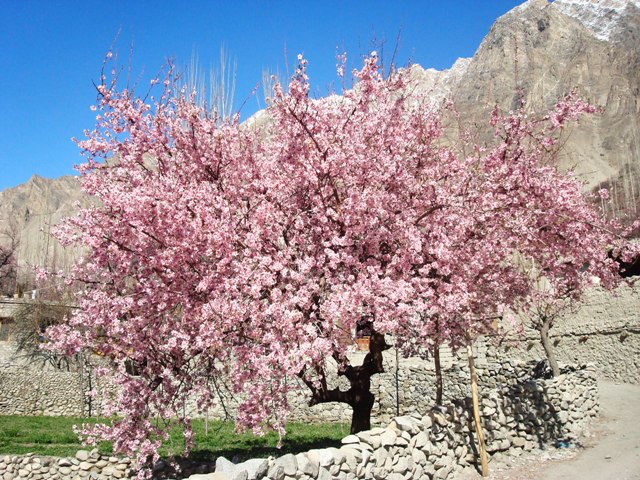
(54, 436)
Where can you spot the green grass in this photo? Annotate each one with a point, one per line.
(41, 435)
(54, 436)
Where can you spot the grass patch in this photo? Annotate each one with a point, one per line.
(42, 435)
(54, 436)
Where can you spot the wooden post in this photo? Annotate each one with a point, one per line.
(476, 408)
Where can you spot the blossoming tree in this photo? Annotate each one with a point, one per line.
(246, 252)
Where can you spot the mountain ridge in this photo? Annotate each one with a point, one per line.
(538, 51)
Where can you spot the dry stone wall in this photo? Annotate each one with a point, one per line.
(520, 414)
(523, 415)
(26, 390)
(85, 465)
(605, 331)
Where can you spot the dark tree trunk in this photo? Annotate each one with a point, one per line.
(438, 366)
(361, 417)
(359, 395)
(546, 344)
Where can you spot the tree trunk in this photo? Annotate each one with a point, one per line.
(438, 366)
(548, 348)
(359, 395)
(476, 408)
(361, 418)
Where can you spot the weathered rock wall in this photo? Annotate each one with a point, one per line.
(43, 391)
(605, 331)
(39, 392)
(524, 414)
(84, 465)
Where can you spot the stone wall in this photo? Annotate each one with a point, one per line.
(27, 390)
(85, 465)
(520, 414)
(605, 331)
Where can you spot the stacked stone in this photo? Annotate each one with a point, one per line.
(27, 391)
(519, 416)
(85, 465)
(411, 447)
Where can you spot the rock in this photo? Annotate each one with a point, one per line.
(421, 440)
(419, 456)
(364, 437)
(380, 456)
(308, 466)
(404, 424)
(288, 463)
(518, 442)
(256, 468)
(240, 475)
(276, 472)
(210, 476)
(352, 457)
(403, 465)
(82, 455)
(323, 474)
(349, 439)
(388, 438)
(64, 470)
(225, 466)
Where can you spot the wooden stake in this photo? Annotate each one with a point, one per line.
(476, 408)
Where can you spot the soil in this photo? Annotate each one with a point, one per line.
(610, 450)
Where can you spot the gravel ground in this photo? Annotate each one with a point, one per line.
(611, 450)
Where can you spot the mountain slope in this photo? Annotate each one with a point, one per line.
(30, 210)
(538, 51)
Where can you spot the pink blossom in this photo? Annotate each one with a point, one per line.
(223, 250)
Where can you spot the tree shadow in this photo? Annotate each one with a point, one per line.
(203, 460)
(540, 410)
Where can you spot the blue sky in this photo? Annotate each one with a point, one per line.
(50, 51)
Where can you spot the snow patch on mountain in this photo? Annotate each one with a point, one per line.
(602, 17)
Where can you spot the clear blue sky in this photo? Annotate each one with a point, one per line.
(50, 51)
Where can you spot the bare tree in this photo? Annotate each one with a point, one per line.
(31, 319)
(8, 262)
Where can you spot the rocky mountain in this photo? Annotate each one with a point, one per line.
(28, 213)
(541, 50)
(538, 52)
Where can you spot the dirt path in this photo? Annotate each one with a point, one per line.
(611, 451)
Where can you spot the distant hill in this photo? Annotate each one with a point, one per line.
(538, 51)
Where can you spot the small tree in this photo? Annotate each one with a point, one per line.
(8, 266)
(227, 250)
(30, 322)
(558, 296)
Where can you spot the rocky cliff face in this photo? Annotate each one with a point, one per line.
(538, 51)
(29, 212)
(545, 50)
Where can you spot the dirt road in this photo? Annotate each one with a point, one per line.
(611, 452)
